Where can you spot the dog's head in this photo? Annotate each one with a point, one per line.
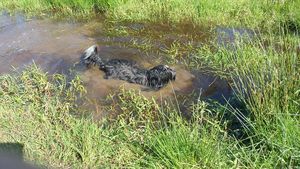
(90, 52)
(160, 75)
(91, 57)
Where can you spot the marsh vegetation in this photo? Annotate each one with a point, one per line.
(256, 127)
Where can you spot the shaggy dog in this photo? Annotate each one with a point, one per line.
(127, 70)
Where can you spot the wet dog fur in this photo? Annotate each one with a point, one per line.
(128, 70)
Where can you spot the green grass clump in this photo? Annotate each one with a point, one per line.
(266, 78)
(265, 14)
(80, 8)
(40, 112)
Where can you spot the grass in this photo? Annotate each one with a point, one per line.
(39, 111)
(264, 14)
(42, 111)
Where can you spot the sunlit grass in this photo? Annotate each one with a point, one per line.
(264, 14)
(41, 111)
(266, 78)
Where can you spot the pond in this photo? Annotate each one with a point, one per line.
(56, 46)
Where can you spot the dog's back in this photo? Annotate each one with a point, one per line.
(125, 70)
(129, 71)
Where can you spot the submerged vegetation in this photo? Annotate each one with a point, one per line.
(43, 112)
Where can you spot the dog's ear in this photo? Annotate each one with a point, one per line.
(91, 51)
(173, 72)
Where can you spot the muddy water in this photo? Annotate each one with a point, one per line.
(56, 47)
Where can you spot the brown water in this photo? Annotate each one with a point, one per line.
(57, 45)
